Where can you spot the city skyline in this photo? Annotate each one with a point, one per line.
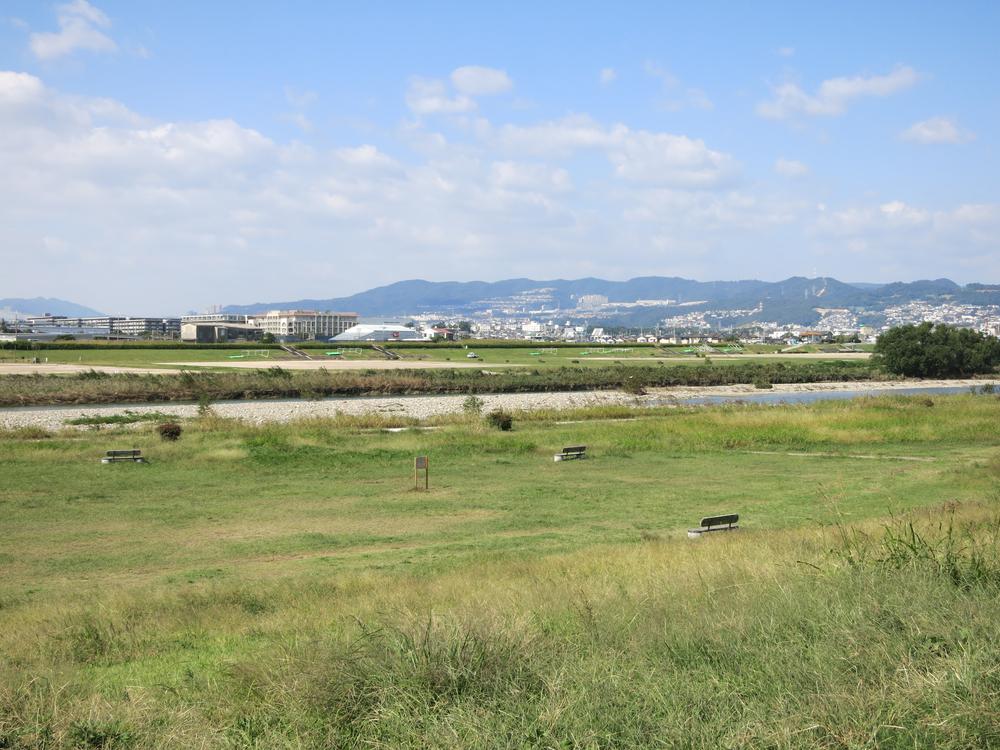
(167, 158)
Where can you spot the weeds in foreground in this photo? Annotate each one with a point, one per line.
(966, 554)
(721, 643)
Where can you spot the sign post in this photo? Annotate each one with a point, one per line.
(421, 463)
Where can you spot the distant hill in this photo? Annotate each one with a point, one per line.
(794, 300)
(43, 305)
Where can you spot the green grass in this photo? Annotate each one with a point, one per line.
(547, 356)
(128, 417)
(284, 586)
(145, 358)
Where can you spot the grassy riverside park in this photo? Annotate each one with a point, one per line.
(283, 586)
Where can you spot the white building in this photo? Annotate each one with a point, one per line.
(380, 332)
(303, 324)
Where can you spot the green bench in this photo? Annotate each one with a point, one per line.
(573, 452)
(135, 456)
(715, 523)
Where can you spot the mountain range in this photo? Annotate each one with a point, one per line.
(19, 307)
(794, 300)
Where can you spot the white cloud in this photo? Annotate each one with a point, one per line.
(367, 156)
(80, 25)
(676, 97)
(786, 51)
(666, 159)
(834, 95)
(936, 130)
(607, 76)
(430, 97)
(790, 168)
(900, 213)
(530, 176)
(16, 88)
(636, 155)
(299, 120)
(300, 98)
(476, 80)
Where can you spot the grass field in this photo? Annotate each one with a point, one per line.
(285, 587)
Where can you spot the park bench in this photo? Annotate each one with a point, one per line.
(715, 523)
(134, 455)
(574, 451)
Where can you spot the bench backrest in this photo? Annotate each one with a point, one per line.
(124, 453)
(575, 449)
(720, 520)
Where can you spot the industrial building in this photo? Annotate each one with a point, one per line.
(303, 324)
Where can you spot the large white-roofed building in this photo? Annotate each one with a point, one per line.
(380, 332)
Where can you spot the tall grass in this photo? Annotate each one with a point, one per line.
(789, 639)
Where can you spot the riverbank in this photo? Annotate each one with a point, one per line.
(285, 383)
(425, 407)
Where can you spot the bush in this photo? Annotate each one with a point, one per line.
(473, 405)
(933, 350)
(205, 406)
(169, 431)
(633, 386)
(762, 383)
(502, 420)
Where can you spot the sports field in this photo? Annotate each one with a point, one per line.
(285, 586)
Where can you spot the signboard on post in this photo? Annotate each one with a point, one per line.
(421, 464)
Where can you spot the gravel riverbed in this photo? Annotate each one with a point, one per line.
(421, 407)
(285, 410)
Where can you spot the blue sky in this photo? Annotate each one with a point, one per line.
(159, 157)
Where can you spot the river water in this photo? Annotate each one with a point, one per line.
(808, 397)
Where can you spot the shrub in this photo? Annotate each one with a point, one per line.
(501, 419)
(169, 431)
(473, 405)
(762, 383)
(633, 386)
(205, 406)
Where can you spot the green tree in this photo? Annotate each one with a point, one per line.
(937, 351)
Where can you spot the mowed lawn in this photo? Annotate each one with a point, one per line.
(284, 586)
